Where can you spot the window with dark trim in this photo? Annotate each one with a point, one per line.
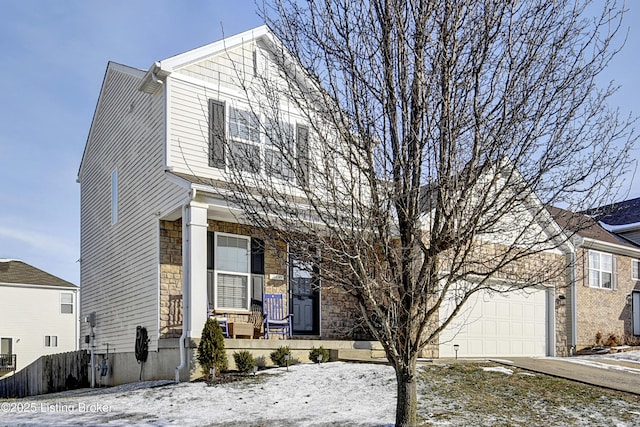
(244, 140)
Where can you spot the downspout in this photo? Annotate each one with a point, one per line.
(186, 283)
(574, 297)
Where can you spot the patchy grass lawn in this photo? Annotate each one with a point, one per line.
(466, 394)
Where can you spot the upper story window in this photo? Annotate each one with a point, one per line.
(635, 269)
(66, 303)
(242, 140)
(601, 269)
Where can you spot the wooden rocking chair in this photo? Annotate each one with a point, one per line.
(276, 318)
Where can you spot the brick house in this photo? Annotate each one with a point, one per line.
(604, 283)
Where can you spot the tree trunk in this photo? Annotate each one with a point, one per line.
(406, 403)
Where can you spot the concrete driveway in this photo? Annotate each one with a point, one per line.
(615, 375)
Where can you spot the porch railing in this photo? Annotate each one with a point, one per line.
(7, 362)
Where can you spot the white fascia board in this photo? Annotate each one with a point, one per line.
(26, 285)
(589, 243)
(194, 55)
(620, 228)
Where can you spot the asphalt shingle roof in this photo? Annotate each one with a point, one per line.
(587, 227)
(621, 213)
(18, 272)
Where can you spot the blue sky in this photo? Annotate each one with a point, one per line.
(52, 60)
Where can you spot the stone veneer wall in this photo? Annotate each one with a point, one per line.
(603, 311)
(170, 279)
(340, 318)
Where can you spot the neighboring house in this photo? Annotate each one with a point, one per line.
(160, 248)
(605, 295)
(622, 218)
(38, 315)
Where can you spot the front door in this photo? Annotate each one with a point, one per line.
(305, 298)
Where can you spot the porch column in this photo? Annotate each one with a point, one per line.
(195, 242)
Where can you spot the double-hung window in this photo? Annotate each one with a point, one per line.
(50, 340)
(232, 271)
(256, 143)
(66, 303)
(278, 150)
(244, 135)
(635, 269)
(600, 270)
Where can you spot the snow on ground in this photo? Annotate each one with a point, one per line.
(338, 393)
(599, 361)
(333, 393)
(500, 369)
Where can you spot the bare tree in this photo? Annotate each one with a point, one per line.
(438, 134)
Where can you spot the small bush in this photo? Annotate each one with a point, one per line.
(211, 351)
(632, 340)
(244, 361)
(613, 340)
(599, 338)
(278, 356)
(320, 351)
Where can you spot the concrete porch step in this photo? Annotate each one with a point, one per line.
(356, 354)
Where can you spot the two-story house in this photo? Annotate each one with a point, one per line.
(38, 315)
(604, 285)
(162, 249)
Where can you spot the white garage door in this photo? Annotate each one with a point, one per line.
(498, 325)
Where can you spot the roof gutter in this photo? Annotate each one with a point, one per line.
(620, 228)
(153, 79)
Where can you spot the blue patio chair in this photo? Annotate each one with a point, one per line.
(276, 318)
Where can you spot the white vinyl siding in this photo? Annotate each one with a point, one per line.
(189, 127)
(114, 196)
(601, 270)
(119, 265)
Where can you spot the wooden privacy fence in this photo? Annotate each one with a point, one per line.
(48, 374)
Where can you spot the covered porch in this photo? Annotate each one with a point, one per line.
(217, 267)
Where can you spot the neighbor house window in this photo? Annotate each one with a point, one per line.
(6, 345)
(232, 271)
(635, 269)
(50, 340)
(600, 270)
(114, 196)
(66, 303)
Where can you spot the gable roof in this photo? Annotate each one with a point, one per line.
(588, 228)
(199, 53)
(621, 213)
(18, 272)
